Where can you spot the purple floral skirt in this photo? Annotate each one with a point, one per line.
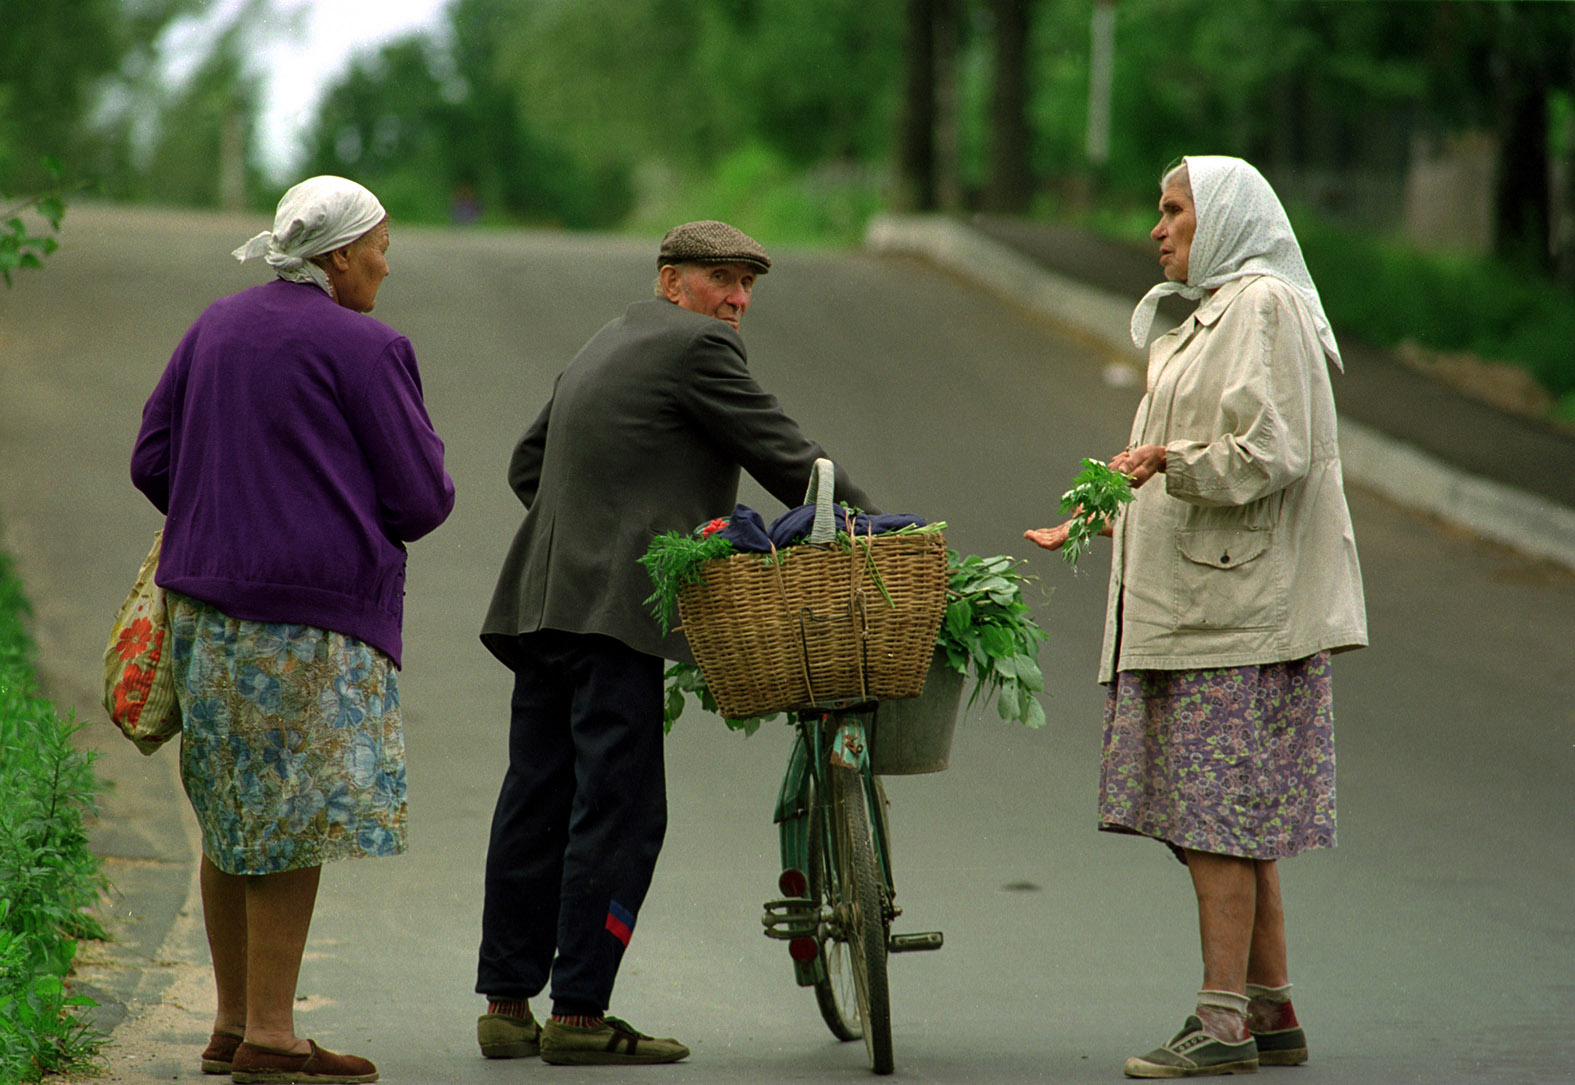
(1236, 761)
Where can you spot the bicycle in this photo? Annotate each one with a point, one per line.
(838, 896)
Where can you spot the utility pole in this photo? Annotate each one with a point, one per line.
(1101, 65)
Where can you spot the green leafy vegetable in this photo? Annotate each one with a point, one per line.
(685, 678)
(1095, 499)
(989, 634)
(675, 559)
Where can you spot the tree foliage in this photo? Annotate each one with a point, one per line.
(199, 154)
(59, 62)
(438, 135)
(21, 246)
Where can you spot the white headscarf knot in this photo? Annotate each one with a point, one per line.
(1241, 230)
(318, 215)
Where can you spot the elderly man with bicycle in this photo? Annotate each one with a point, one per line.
(646, 432)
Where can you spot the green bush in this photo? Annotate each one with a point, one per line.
(758, 191)
(1385, 292)
(49, 878)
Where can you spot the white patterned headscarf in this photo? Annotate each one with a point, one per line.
(318, 215)
(1241, 230)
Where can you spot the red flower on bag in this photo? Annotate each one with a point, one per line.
(132, 690)
(712, 528)
(135, 639)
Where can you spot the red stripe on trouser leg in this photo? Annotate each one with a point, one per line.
(619, 929)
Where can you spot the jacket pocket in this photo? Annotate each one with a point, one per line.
(1225, 579)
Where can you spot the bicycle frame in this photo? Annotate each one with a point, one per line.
(820, 740)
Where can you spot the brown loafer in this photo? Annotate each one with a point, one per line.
(254, 1064)
(220, 1052)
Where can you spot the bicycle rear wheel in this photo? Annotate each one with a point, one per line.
(859, 912)
(835, 992)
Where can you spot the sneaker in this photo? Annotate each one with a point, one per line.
(255, 1065)
(1194, 1053)
(1281, 1041)
(614, 1042)
(504, 1036)
(1282, 1047)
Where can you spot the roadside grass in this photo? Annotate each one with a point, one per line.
(49, 878)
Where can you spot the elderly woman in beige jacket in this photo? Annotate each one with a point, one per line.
(1234, 577)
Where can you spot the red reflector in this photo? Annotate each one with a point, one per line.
(793, 883)
(803, 949)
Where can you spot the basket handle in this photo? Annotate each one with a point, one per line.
(822, 484)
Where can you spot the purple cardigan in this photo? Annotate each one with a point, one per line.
(289, 448)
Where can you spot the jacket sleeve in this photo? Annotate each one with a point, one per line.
(1264, 426)
(725, 401)
(525, 463)
(389, 416)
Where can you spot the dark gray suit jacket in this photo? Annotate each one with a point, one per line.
(645, 433)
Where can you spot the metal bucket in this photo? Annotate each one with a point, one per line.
(915, 735)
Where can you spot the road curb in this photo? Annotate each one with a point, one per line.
(1391, 467)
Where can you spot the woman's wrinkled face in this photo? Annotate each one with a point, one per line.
(1178, 221)
(359, 269)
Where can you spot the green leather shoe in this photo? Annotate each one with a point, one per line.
(613, 1043)
(504, 1036)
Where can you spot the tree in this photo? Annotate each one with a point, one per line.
(916, 118)
(436, 136)
(199, 158)
(56, 59)
(1009, 186)
(934, 169)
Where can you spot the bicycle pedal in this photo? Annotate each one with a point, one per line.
(915, 943)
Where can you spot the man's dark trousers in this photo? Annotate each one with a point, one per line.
(579, 821)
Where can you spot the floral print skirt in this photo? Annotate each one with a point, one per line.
(292, 752)
(1236, 761)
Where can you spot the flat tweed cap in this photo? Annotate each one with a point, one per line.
(712, 242)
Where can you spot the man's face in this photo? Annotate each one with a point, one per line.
(719, 290)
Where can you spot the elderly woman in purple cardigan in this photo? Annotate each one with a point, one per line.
(288, 445)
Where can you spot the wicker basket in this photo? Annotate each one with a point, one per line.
(812, 624)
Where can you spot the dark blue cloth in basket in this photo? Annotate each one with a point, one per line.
(746, 529)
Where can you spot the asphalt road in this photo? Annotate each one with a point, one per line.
(1434, 945)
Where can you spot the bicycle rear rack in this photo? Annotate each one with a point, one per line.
(790, 918)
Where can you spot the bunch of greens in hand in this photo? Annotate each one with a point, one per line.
(1096, 497)
(988, 633)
